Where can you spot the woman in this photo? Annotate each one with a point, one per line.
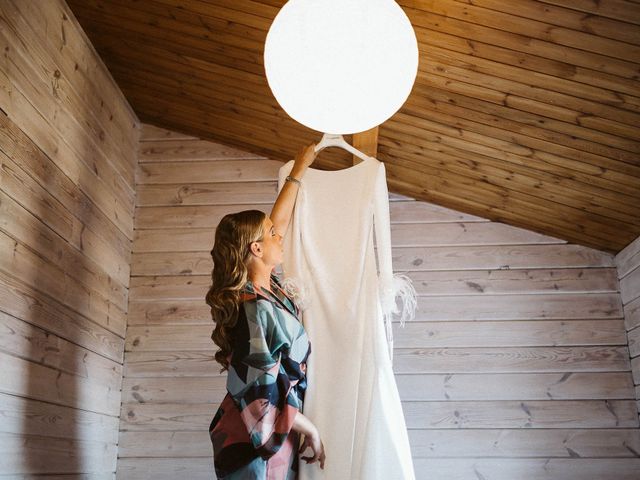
(256, 431)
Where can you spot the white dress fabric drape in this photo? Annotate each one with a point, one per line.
(329, 268)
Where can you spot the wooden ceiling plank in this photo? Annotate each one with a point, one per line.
(261, 99)
(622, 120)
(541, 109)
(526, 179)
(538, 212)
(626, 11)
(394, 174)
(512, 180)
(615, 148)
(166, 68)
(220, 36)
(441, 134)
(521, 43)
(110, 56)
(142, 51)
(198, 13)
(494, 204)
(222, 71)
(565, 17)
(182, 22)
(543, 81)
(632, 120)
(223, 15)
(527, 60)
(226, 121)
(607, 180)
(580, 160)
(217, 96)
(246, 12)
(199, 39)
(168, 92)
(233, 21)
(532, 28)
(207, 50)
(518, 180)
(520, 141)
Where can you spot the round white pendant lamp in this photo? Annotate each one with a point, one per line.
(341, 66)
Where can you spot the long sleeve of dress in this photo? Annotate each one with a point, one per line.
(258, 383)
(390, 285)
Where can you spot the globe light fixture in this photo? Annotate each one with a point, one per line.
(341, 66)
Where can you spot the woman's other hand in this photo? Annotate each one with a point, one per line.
(316, 445)
(312, 439)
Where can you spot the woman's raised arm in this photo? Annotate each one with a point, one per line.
(283, 207)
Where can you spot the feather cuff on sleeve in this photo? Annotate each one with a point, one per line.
(400, 286)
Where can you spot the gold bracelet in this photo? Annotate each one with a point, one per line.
(292, 179)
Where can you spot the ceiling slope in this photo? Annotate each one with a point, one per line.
(524, 112)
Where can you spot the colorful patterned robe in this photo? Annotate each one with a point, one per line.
(251, 432)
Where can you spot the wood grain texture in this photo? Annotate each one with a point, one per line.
(523, 112)
(628, 269)
(68, 142)
(517, 357)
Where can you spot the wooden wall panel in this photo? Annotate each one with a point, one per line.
(516, 366)
(67, 165)
(628, 265)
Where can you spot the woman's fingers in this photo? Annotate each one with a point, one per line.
(311, 459)
(318, 452)
(305, 443)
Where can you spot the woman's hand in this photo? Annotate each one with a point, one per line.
(306, 427)
(316, 445)
(305, 157)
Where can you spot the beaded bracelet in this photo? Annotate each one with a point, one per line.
(292, 179)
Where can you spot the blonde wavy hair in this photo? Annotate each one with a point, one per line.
(231, 252)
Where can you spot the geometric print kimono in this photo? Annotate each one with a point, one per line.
(251, 432)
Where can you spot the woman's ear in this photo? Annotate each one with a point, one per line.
(256, 249)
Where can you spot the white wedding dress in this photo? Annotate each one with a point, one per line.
(329, 268)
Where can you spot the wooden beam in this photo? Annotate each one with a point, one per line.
(366, 142)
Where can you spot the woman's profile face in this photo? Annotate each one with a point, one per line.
(271, 244)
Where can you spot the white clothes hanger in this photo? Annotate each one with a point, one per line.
(337, 140)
